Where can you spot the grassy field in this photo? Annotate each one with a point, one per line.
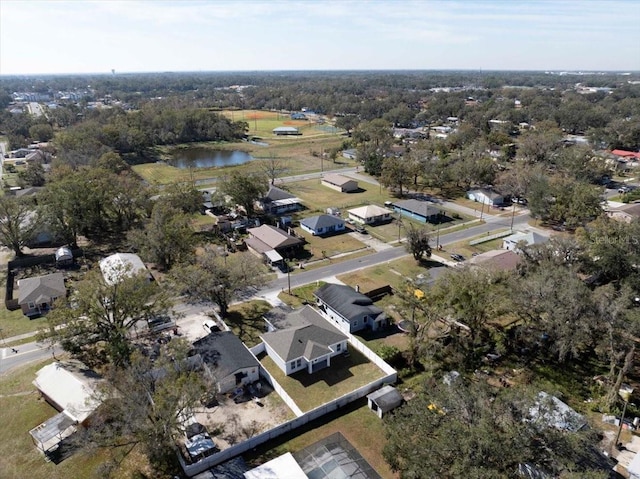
(22, 409)
(321, 247)
(312, 390)
(392, 273)
(312, 192)
(357, 423)
(245, 320)
(300, 154)
(301, 295)
(467, 250)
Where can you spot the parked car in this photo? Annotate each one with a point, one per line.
(361, 229)
(457, 257)
(624, 189)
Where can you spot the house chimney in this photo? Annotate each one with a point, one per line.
(357, 288)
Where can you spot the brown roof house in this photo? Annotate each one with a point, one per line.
(272, 242)
(339, 183)
(626, 213)
(307, 343)
(36, 296)
(496, 260)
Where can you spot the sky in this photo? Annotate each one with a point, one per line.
(84, 36)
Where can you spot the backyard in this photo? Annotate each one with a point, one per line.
(246, 321)
(309, 391)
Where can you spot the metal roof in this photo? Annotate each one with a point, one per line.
(120, 265)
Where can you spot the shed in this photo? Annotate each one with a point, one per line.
(285, 130)
(64, 256)
(384, 400)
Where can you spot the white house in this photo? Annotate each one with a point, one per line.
(370, 214)
(349, 309)
(119, 266)
(322, 224)
(308, 344)
(486, 196)
(523, 238)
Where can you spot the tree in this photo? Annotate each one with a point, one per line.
(41, 132)
(418, 243)
(166, 239)
(183, 196)
(145, 404)
(32, 175)
(18, 222)
(396, 173)
(245, 189)
(218, 277)
(95, 322)
(460, 430)
(273, 168)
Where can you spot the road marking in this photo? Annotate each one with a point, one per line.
(4, 353)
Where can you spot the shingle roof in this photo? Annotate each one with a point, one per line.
(370, 211)
(529, 238)
(322, 221)
(41, 289)
(274, 238)
(421, 208)
(309, 337)
(500, 260)
(224, 353)
(632, 209)
(386, 398)
(275, 194)
(336, 179)
(346, 301)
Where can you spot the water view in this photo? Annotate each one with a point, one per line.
(207, 158)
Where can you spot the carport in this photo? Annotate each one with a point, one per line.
(273, 257)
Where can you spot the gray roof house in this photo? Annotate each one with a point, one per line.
(418, 210)
(37, 295)
(522, 238)
(349, 309)
(322, 224)
(278, 201)
(308, 343)
(228, 360)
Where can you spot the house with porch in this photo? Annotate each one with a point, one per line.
(228, 360)
(307, 343)
(37, 295)
(272, 243)
(349, 309)
(322, 225)
(278, 201)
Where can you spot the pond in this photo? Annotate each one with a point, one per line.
(207, 158)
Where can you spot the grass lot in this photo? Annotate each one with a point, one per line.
(312, 390)
(245, 320)
(356, 422)
(312, 192)
(466, 250)
(392, 273)
(300, 296)
(22, 409)
(321, 247)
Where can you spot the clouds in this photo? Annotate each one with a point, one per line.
(83, 36)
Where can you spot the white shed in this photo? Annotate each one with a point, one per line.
(384, 400)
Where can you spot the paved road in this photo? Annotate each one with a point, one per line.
(11, 358)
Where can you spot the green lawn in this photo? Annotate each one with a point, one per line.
(467, 250)
(321, 247)
(245, 320)
(392, 273)
(357, 423)
(312, 390)
(22, 409)
(300, 296)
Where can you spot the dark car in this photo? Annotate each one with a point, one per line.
(457, 257)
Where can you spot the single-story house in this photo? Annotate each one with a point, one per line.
(72, 389)
(339, 183)
(486, 196)
(384, 400)
(349, 309)
(554, 413)
(496, 260)
(285, 130)
(370, 214)
(119, 266)
(418, 210)
(278, 201)
(350, 154)
(322, 224)
(627, 155)
(309, 344)
(520, 237)
(228, 360)
(626, 213)
(272, 242)
(37, 295)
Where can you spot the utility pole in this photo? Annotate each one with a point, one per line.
(288, 276)
(481, 208)
(513, 213)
